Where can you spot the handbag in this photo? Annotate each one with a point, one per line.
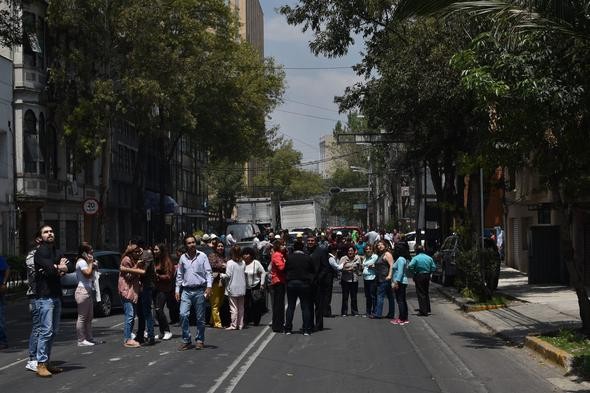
(256, 293)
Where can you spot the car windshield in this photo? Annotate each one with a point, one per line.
(241, 231)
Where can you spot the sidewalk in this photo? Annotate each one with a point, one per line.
(544, 308)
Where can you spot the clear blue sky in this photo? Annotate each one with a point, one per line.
(289, 46)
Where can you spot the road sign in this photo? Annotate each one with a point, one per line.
(359, 206)
(372, 138)
(90, 206)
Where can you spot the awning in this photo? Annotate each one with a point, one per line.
(152, 202)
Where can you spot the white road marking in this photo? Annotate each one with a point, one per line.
(237, 361)
(13, 364)
(234, 382)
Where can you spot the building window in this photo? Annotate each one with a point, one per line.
(42, 139)
(31, 142)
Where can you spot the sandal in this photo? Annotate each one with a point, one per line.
(131, 344)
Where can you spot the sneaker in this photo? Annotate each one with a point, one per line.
(145, 334)
(199, 345)
(167, 336)
(42, 371)
(185, 346)
(133, 336)
(395, 321)
(306, 334)
(85, 343)
(404, 322)
(149, 342)
(131, 344)
(287, 332)
(157, 336)
(31, 365)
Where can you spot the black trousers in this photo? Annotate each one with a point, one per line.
(159, 302)
(422, 281)
(301, 290)
(328, 298)
(320, 300)
(349, 289)
(278, 307)
(253, 309)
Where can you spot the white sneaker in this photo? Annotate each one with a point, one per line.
(133, 336)
(157, 337)
(31, 366)
(167, 336)
(85, 343)
(145, 335)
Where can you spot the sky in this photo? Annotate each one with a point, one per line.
(290, 48)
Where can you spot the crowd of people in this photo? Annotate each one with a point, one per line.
(225, 285)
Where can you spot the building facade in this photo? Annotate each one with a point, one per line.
(7, 204)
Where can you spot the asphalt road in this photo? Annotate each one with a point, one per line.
(445, 352)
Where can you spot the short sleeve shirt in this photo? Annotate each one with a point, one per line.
(83, 281)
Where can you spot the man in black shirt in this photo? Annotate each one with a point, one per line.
(300, 271)
(50, 265)
(322, 281)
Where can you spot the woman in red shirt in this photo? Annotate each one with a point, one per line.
(278, 282)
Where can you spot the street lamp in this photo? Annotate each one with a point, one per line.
(368, 173)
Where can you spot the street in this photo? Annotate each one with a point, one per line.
(445, 352)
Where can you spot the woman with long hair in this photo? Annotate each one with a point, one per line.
(164, 289)
(401, 254)
(278, 282)
(254, 302)
(236, 287)
(131, 271)
(218, 264)
(86, 268)
(369, 279)
(383, 276)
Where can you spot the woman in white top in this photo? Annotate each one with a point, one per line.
(255, 300)
(85, 273)
(235, 288)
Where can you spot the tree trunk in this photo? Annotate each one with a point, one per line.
(567, 247)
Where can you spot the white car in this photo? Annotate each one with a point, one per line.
(410, 238)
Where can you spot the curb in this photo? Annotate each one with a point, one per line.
(543, 348)
(550, 352)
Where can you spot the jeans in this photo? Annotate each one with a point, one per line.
(129, 310)
(49, 310)
(384, 289)
(402, 304)
(370, 288)
(34, 337)
(3, 338)
(299, 289)
(145, 318)
(192, 298)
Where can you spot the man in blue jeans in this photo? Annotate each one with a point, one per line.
(4, 271)
(50, 265)
(193, 287)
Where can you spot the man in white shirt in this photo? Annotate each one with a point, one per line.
(230, 240)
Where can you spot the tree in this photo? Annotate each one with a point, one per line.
(226, 182)
(155, 66)
(11, 32)
(283, 176)
(422, 102)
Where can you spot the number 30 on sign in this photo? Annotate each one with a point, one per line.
(90, 206)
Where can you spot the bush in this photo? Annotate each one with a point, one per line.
(478, 269)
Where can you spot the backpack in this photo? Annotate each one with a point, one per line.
(30, 269)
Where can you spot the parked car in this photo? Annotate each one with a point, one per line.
(446, 262)
(410, 238)
(108, 267)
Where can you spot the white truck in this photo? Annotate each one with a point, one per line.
(300, 214)
(260, 211)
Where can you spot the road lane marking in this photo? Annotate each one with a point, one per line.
(237, 361)
(13, 364)
(242, 371)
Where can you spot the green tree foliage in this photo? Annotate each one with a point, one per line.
(10, 23)
(284, 178)
(226, 181)
(341, 205)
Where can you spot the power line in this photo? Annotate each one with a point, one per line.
(312, 106)
(310, 116)
(317, 68)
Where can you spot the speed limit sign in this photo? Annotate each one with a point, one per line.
(90, 206)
